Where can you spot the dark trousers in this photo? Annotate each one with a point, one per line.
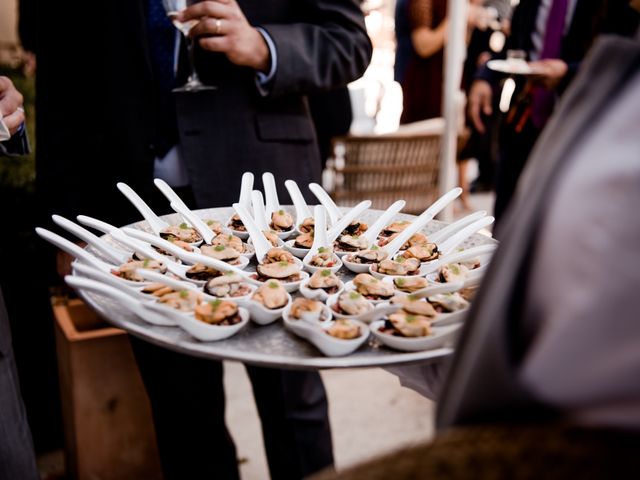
(515, 148)
(17, 457)
(188, 404)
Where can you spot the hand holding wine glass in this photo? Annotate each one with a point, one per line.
(222, 27)
(173, 9)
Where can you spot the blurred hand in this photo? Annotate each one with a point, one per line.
(549, 72)
(11, 105)
(480, 99)
(222, 27)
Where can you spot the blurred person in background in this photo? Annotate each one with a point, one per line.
(543, 380)
(264, 58)
(17, 457)
(555, 36)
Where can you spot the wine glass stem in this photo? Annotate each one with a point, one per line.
(193, 75)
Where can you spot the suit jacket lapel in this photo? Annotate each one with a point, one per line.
(482, 380)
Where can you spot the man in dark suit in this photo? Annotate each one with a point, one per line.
(555, 35)
(17, 457)
(256, 120)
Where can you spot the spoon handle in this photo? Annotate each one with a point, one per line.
(104, 277)
(302, 209)
(325, 199)
(458, 257)
(259, 213)
(270, 193)
(245, 189)
(372, 232)
(169, 193)
(319, 233)
(437, 206)
(155, 222)
(95, 286)
(444, 233)
(348, 217)
(260, 243)
(177, 285)
(436, 289)
(114, 255)
(72, 249)
(457, 238)
(201, 227)
(99, 225)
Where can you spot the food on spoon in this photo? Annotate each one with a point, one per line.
(281, 221)
(272, 295)
(215, 226)
(307, 225)
(304, 240)
(283, 271)
(449, 302)
(351, 243)
(218, 312)
(424, 252)
(452, 272)
(187, 247)
(395, 227)
(403, 324)
(128, 270)
(221, 252)
(271, 237)
(400, 266)
(355, 228)
(344, 329)
(228, 285)
(367, 257)
(307, 309)
(278, 255)
(231, 241)
(157, 289)
(416, 239)
(410, 284)
(324, 258)
(373, 288)
(184, 300)
(198, 271)
(415, 306)
(181, 232)
(352, 303)
(235, 223)
(325, 280)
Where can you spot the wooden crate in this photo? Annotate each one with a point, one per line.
(109, 431)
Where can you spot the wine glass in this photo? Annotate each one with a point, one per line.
(172, 7)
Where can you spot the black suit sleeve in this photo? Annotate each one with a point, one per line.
(16, 145)
(329, 49)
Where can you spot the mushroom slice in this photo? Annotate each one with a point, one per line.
(410, 284)
(220, 252)
(228, 285)
(279, 270)
(399, 266)
(352, 243)
(279, 255)
(449, 302)
(229, 240)
(424, 252)
(307, 225)
(409, 325)
(128, 270)
(272, 295)
(352, 303)
(181, 232)
(415, 306)
(218, 312)
(281, 221)
(307, 309)
(325, 279)
(184, 300)
(304, 241)
(344, 329)
(372, 288)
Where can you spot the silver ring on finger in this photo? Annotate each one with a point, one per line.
(218, 26)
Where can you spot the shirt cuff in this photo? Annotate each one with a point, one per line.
(263, 79)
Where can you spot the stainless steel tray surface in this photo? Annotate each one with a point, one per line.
(270, 345)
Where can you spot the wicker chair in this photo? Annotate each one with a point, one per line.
(384, 168)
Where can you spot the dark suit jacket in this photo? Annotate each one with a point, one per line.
(96, 118)
(320, 45)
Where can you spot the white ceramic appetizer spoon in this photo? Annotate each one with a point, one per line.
(444, 233)
(372, 232)
(260, 243)
(457, 238)
(325, 199)
(130, 303)
(245, 200)
(259, 211)
(302, 209)
(155, 222)
(433, 289)
(113, 254)
(335, 231)
(459, 257)
(202, 228)
(319, 234)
